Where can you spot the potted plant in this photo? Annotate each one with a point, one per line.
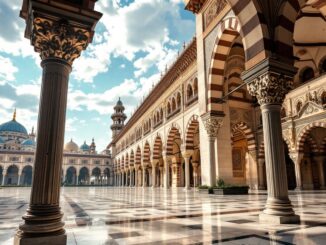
(225, 189)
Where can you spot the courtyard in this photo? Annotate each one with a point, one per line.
(102, 215)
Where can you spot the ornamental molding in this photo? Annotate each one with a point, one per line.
(58, 39)
(213, 10)
(270, 88)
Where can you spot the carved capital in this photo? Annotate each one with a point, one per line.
(212, 125)
(270, 88)
(58, 39)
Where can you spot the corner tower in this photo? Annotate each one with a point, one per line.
(118, 118)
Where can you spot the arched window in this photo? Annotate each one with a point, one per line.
(322, 66)
(196, 86)
(161, 114)
(299, 106)
(168, 108)
(173, 104)
(189, 92)
(307, 74)
(179, 100)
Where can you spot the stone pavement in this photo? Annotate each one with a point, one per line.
(102, 215)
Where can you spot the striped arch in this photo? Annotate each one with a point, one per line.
(261, 151)
(285, 29)
(229, 30)
(173, 134)
(157, 149)
(253, 30)
(127, 160)
(192, 127)
(138, 156)
(247, 132)
(132, 158)
(313, 144)
(305, 132)
(122, 162)
(147, 153)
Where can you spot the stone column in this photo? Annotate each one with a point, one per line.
(161, 176)
(270, 84)
(154, 163)
(186, 156)
(4, 173)
(19, 175)
(195, 166)
(166, 168)
(212, 125)
(144, 177)
(296, 157)
(59, 42)
(261, 175)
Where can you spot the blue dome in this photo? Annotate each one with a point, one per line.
(84, 147)
(28, 142)
(13, 126)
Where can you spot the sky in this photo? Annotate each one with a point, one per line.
(134, 42)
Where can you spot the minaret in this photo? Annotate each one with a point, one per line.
(93, 147)
(32, 135)
(118, 118)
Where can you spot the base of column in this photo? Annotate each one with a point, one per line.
(273, 219)
(49, 240)
(298, 188)
(186, 188)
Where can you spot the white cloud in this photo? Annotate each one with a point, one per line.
(7, 70)
(138, 31)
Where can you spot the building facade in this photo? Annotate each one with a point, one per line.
(204, 120)
(82, 165)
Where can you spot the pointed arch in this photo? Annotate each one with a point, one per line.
(302, 136)
(138, 156)
(229, 30)
(192, 127)
(147, 153)
(174, 134)
(247, 132)
(157, 148)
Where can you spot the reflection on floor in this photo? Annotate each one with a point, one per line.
(155, 216)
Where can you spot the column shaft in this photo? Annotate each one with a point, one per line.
(187, 173)
(278, 207)
(44, 214)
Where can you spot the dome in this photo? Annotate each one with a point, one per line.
(71, 146)
(28, 142)
(85, 147)
(13, 126)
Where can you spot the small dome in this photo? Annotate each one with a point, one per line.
(13, 126)
(71, 146)
(85, 147)
(28, 142)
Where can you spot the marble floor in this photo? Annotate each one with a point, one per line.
(100, 215)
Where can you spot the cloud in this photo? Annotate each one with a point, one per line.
(7, 70)
(139, 32)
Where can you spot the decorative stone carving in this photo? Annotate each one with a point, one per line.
(58, 39)
(213, 10)
(212, 125)
(270, 88)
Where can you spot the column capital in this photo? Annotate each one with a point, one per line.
(187, 154)
(212, 123)
(62, 36)
(270, 80)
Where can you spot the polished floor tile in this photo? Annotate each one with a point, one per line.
(146, 216)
